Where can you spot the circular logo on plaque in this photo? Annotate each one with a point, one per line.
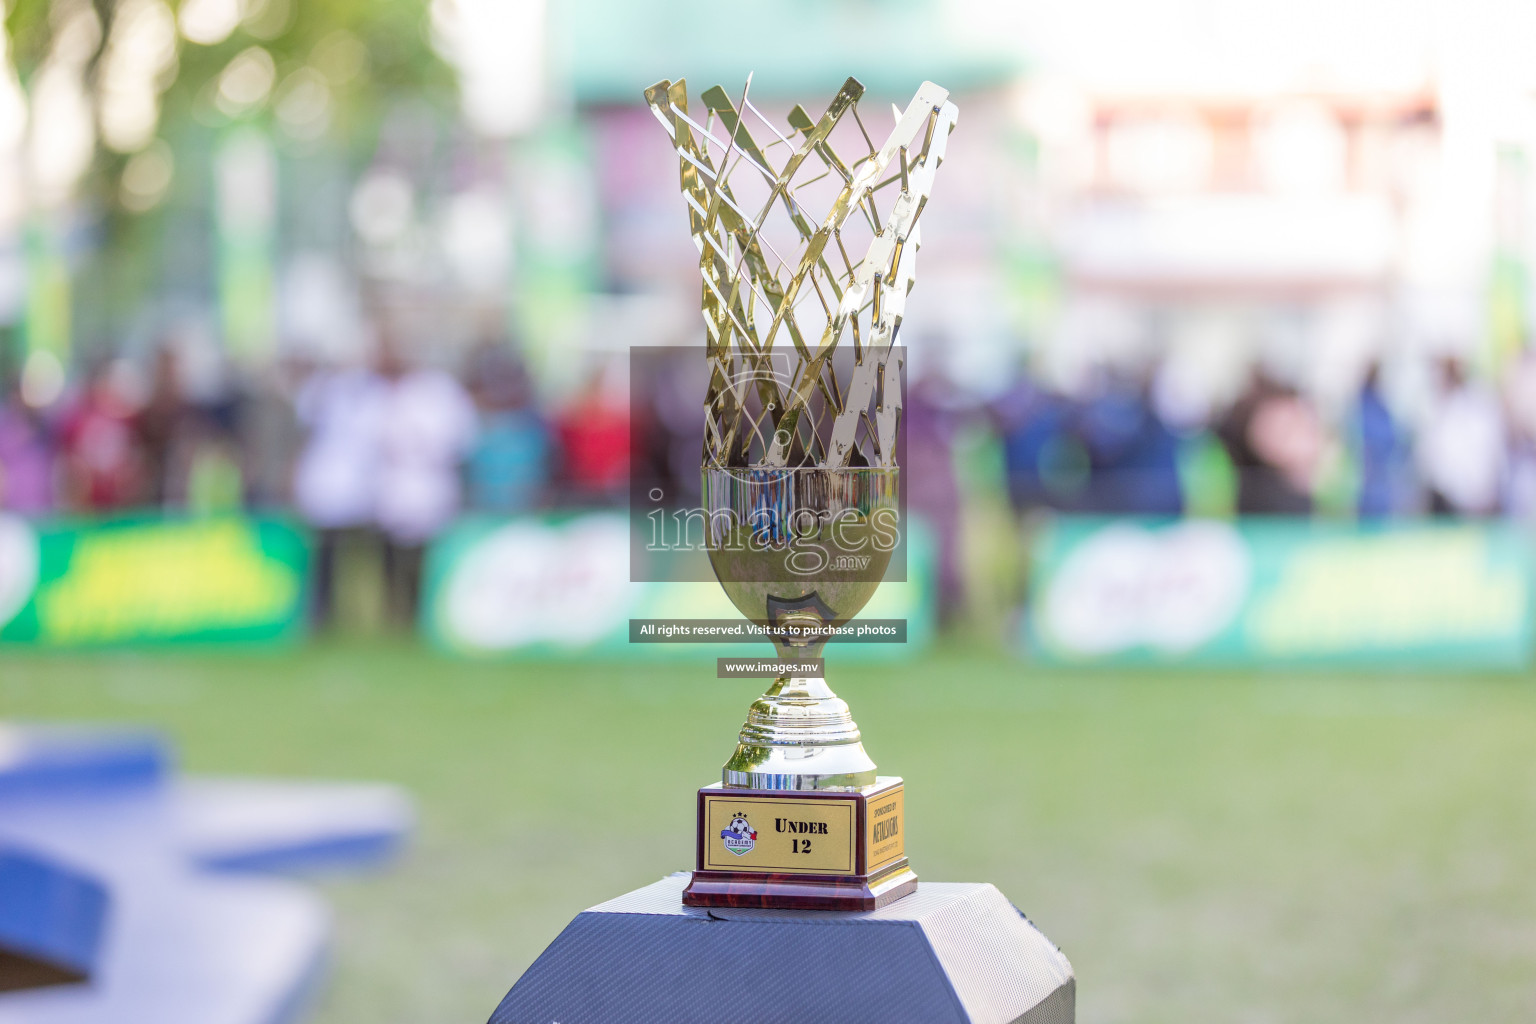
(740, 837)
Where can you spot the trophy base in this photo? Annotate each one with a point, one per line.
(950, 953)
(800, 849)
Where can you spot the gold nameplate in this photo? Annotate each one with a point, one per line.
(883, 829)
(813, 837)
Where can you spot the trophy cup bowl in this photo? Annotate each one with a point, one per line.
(801, 551)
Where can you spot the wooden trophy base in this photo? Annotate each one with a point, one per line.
(800, 849)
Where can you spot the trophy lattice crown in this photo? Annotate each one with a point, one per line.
(759, 249)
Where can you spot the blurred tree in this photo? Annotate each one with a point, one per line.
(128, 103)
(312, 69)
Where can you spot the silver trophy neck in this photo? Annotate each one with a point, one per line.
(799, 735)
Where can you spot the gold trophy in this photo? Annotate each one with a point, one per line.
(801, 484)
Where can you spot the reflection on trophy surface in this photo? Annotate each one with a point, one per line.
(808, 236)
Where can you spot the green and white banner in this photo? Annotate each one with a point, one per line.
(560, 586)
(1263, 591)
(151, 580)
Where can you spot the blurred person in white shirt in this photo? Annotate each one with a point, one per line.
(427, 430)
(336, 476)
(1461, 446)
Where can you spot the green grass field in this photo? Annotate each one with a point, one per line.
(1205, 847)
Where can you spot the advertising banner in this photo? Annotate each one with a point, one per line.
(560, 586)
(151, 580)
(1266, 591)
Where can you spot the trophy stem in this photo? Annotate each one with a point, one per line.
(799, 735)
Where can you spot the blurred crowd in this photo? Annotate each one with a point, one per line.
(392, 451)
(1123, 444)
(1137, 442)
(385, 453)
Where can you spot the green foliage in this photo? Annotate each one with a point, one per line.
(26, 23)
(341, 66)
(370, 53)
